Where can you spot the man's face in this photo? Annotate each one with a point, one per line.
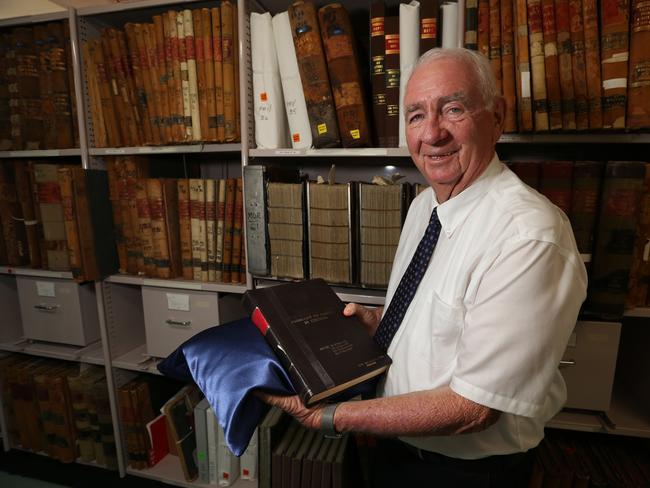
(449, 131)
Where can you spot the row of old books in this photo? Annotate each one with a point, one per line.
(564, 459)
(37, 101)
(173, 80)
(58, 408)
(176, 227)
(566, 65)
(608, 205)
(56, 217)
(159, 420)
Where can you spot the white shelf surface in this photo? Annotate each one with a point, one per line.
(169, 470)
(180, 149)
(137, 360)
(333, 152)
(91, 353)
(41, 153)
(176, 283)
(39, 273)
(570, 138)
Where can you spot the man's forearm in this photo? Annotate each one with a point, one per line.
(433, 412)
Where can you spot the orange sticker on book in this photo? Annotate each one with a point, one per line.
(296, 137)
(355, 134)
(263, 96)
(322, 129)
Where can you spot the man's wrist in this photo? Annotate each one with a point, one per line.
(327, 421)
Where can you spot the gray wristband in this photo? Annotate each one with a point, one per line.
(327, 421)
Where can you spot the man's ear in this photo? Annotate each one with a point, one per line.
(499, 112)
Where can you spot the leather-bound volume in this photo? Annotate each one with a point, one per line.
(345, 76)
(198, 231)
(429, 11)
(156, 43)
(563, 29)
(313, 74)
(5, 112)
(555, 183)
(104, 79)
(28, 120)
(377, 70)
(130, 87)
(391, 63)
(174, 81)
(163, 209)
(592, 63)
(42, 50)
(614, 20)
(551, 67)
(51, 209)
(638, 91)
(144, 227)
(508, 64)
(59, 68)
(24, 196)
(70, 222)
(578, 67)
(217, 49)
(587, 180)
(484, 27)
(538, 70)
(201, 80)
(236, 57)
(522, 71)
(211, 187)
(185, 228)
(323, 351)
(135, 62)
(208, 66)
(494, 53)
(185, 76)
(237, 225)
(94, 95)
(147, 60)
(190, 54)
(228, 227)
(11, 216)
(114, 170)
(470, 39)
(228, 64)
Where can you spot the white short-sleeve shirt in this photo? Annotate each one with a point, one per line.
(494, 311)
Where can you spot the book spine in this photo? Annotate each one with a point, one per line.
(578, 68)
(536, 40)
(470, 40)
(24, 197)
(221, 220)
(72, 123)
(160, 252)
(201, 81)
(62, 120)
(345, 75)
(522, 73)
(236, 57)
(638, 95)
(95, 108)
(175, 83)
(564, 63)
(197, 219)
(119, 83)
(615, 21)
(484, 27)
(551, 67)
(228, 228)
(587, 180)
(313, 73)
(391, 60)
(217, 48)
(495, 41)
(228, 66)
(209, 111)
(555, 183)
(113, 169)
(27, 89)
(508, 64)
(429, 11)
(256, 220)
(185, 76)
(378, 72)
(147, 60)
(138, 133)
(42, 51)
(135, 62)
(592, 63)
(210, 226)
(84, 225)
(156, 45)
(238, 221)
(104, 79)
(190, 53)
(49, 199)
(185, 229)
(144, 227)
(172, 221)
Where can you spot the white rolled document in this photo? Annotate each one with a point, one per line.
(409, 51)
(449, 24)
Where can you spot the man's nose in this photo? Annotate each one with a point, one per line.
(434, 131)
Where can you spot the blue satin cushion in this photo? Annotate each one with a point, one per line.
(227, 362)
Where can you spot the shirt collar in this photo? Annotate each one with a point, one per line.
(454, 211)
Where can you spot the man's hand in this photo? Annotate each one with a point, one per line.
(309, 417)
(369, 317)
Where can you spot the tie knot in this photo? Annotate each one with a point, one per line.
(434, 216)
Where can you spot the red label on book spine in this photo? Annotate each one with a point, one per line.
(259, 321)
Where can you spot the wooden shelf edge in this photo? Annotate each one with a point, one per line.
(177, 284)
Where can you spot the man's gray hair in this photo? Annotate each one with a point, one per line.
(477, 62)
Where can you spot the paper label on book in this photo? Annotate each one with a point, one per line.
(45, 289)
(428, 28)
(376, 26)
(356, 134)
(392, 44)
(178, 301)
(264, 97)
(322, 129)
(295, 137)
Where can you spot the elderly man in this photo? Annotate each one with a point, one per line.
(484, 293)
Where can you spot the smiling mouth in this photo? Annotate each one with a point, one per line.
(441, 156)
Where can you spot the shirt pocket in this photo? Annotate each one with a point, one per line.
(445, 329)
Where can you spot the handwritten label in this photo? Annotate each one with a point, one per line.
(45, 289)
(178, 301)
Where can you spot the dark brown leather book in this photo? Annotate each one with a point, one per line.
(208, 53)
(11, 218)
(313, 74)
(237, 224)
(5, 96)
(323, 351)
(494, 54)
(70, 218)
(585, 193)
(484, 27)
(228, 53)
(60, 68)
(508, 64)
(29, 106)
(522, 72)
(638, 92)
(377, 70)
(139, 69)
(156, 43)
(42, 50)
(345, 75)
(470, 40)
(217, 49)
(228, 227)
(51, 208)
(537, 65)
(527, 171)
(202, 86)
(563, 29)
(614, 22)
(144, 227)
(67, 45)
(429, 12)
(551, 67)
(592, 63)
(24, 196)
(392, 68)
(555, 183)
(578, 67)
(185, 228)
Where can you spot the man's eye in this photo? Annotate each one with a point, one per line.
(454, 111)
(415, 118)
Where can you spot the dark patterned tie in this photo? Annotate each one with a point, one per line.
(409, 283)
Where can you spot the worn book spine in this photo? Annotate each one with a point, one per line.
(136, 67)
(155, 41)
(221, 220)
(562, 26)
(578, 68)
(41, 48)
(190, 54)
(522, 72)
(638, 94)
(228, 228)
(133, 236)
(228, 65)
(210, 226)
(256, 219)
(208, 67)
(131, 91)
(237, 230)
(551, 67)
(615, 24)
(51, 209)
(199, 239)
(314, 76)
(109, 113)
(555, 183)
(217, 48)
(185, 229)
(185, 77)
(27, 90)
(287, 229)
(144, 227)
(11, 218)
(160, 252)
(121, 124)
(149, 82)
(494, 53)
(470, 39)
(483, 30)
(114, 171)
(587, 181)
(538, 71)
(377, 70)
(508, 64)
(345, 76)
(592, 63)
(24, 197)
(95, 106)
(236, 57)
(66, 119)
(175, 81)
(201, 81)
(59, 68)
(392, 79)
(5, 97)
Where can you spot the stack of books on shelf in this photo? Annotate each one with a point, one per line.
(37, 101)
(56, 217)
(176, 228)
(173, 80)
(58, 408)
